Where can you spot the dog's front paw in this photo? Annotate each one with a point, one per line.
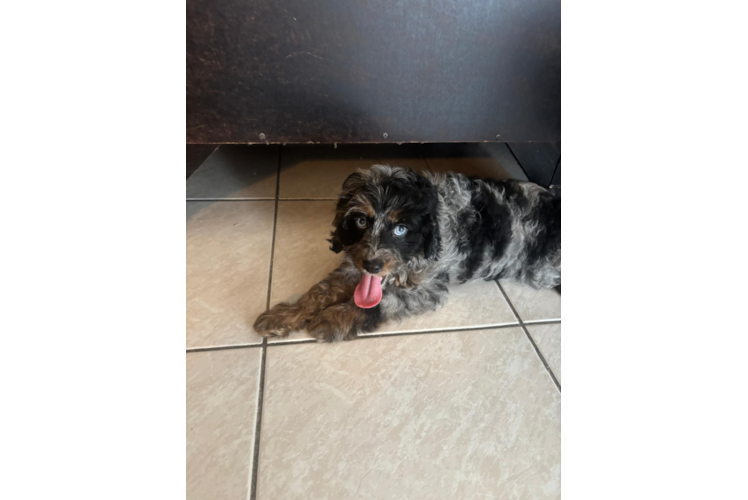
(278, 321)
(335, 323)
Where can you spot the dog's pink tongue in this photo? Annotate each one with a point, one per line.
(368, 292)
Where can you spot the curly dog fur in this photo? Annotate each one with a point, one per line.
(457, 229)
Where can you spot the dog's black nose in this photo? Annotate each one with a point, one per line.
(373, 266)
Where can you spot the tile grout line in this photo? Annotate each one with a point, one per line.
(259, 199)
(305, 340)
(542, 321)
(308, 199)
(529, 337)
(403, 334)
(275, 227)
(440, 330)
(221, 347)
(252, 491)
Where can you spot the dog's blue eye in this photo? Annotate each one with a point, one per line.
(400, 230)
(361, 222)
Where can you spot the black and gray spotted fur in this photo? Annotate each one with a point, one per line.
(459, 229)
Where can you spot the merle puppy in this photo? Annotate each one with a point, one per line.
(406, 237)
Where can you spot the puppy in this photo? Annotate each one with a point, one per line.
(406, 237)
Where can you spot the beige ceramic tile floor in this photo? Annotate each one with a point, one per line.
(460, 403)
(449, 415)
(533, 305)
(222, 388)
(228, 262)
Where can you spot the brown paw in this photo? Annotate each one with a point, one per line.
(278, 321)
(335, 323)
(321, 330)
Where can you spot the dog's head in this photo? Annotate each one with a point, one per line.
(386, 217)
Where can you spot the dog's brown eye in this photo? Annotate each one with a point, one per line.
(361, 222)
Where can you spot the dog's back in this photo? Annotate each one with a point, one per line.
(501, 229)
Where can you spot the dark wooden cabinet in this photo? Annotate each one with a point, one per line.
(347, 71)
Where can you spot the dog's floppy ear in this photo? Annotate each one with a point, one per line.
(339, 224)
(335, 244)
(350, 185)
